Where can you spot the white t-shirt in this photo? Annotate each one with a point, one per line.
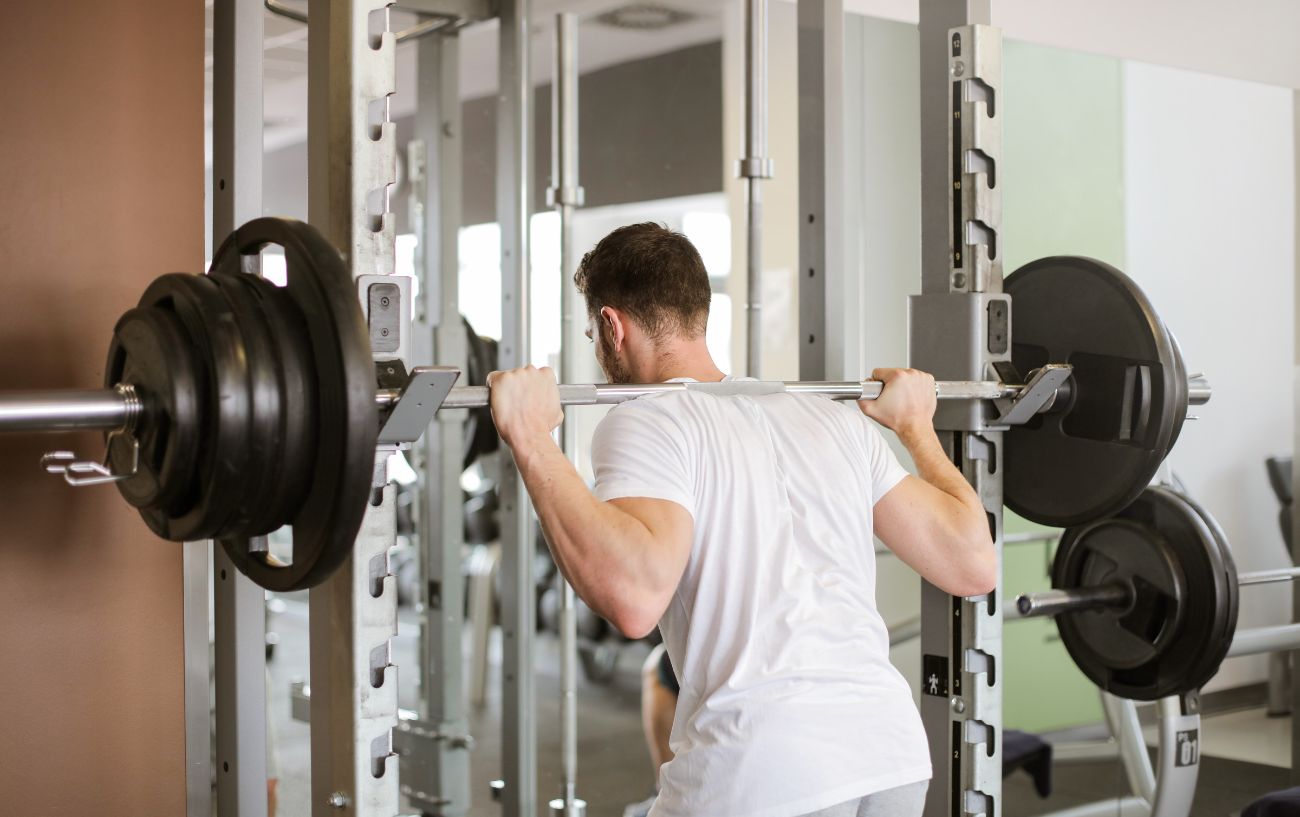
(788, 701)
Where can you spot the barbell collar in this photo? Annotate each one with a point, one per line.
(1059, 601)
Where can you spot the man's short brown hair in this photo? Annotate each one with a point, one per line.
(653, 274)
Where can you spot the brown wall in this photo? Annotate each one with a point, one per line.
(101, 189)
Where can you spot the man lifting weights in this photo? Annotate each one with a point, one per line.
(742, 526)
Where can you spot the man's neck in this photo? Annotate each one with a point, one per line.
(683, 358)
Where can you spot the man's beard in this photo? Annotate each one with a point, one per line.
(615, 370)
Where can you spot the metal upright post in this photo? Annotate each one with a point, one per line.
(960, 329)
(435, 749)
(565, 195)
(821, 181)
(352, 164)
(239, 605)
(514, 169)
(1294, 656)
(753, 168)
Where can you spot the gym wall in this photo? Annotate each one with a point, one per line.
(1186, 181)
(649, 129)
(101, 161)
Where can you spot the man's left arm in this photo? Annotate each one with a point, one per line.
(624, 557)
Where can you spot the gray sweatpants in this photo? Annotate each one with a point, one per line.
(903, 801)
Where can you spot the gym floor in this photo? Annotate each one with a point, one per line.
(1245, 752)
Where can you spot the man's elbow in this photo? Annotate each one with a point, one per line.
(636, 618)
(978, 572)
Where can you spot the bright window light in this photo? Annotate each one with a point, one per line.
(711, 235)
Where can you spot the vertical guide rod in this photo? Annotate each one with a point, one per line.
(436, 779)
(514, 170)
(565, 195)
(754, 167)
(238, 604)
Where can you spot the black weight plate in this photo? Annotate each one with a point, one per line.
(297, 455)
(151, 352)
(1227, 602)
(1189, 642)
(223, 446)
(321, 288)
(1180, 391)
(1120, 551)
(1095, 455)
(252, 514)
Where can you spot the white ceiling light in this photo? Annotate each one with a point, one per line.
(644, 17)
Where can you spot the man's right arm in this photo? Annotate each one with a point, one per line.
(936, 524)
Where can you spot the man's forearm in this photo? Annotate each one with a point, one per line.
(933, 466)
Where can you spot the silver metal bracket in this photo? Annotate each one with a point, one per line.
(755, 167)
(1038, 395)
(411, 414)
(386, 305)
(558, 809)
(574, 196)
(424, 748)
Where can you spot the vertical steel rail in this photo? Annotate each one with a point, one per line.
(435, 773)
(821, 182)
(565, 195)
(1294, 656)
(514, 174)
(959, 328)
(352, 164)
(753, 168)
(239, 604)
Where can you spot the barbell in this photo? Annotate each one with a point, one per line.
(233, 407)
(1146, 600)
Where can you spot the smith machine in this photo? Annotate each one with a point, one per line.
(233, 407)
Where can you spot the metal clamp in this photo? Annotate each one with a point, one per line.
(755, 167)
(78, 472)
(574, 196)
(1038, 394)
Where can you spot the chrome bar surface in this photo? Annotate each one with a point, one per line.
(1056, 602)
(1281, 574)
(604, 394)
(1256, 640)
(66, 410)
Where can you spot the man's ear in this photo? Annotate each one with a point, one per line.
(614, 322)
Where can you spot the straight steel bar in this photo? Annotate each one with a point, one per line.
(67, 410)
(107, 409)
(753, 168)
(567, 195)
(518, 592)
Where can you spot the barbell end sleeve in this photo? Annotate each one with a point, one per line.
(69, 410)
(1198, 390)
(1059, 602)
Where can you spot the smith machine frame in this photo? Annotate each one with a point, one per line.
(955, 325)
(954, 320)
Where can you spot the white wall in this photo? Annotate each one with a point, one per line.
(1253, 40)
(1210, 184)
